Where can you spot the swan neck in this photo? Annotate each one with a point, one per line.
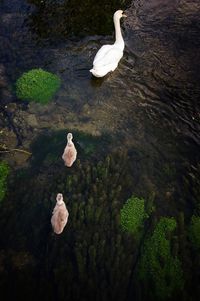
(118, 33)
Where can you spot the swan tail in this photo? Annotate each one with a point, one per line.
(99, 72)
(95, 72)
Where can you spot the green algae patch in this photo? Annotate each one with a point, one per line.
(4, 172)
(157, 265)
(133, 214)
(37, 85)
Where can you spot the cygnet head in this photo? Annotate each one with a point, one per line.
(59, 198)
(119, 14)
(69, 136)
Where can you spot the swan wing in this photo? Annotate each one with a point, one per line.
(110, 58)
(102, 51)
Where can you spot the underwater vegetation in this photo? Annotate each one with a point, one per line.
(194, 231)
(37, 85)
(4, 172)
(92, 259)
(133, 214)
(158, 265)
(91, 250)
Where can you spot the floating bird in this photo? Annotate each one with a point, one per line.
(59, 215)
(108, 56)
(69, 155)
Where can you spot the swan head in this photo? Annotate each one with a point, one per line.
(69, 136)
(119, 14)
(59, 198)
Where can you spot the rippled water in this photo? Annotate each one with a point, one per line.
(156, 84)
(149, 106)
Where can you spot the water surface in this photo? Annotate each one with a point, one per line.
(147, 111)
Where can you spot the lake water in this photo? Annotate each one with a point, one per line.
(145, 116)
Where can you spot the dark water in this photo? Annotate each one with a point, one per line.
(145, 116)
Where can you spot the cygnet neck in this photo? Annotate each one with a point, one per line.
(118, 34)
(69, 141)
(59, 199)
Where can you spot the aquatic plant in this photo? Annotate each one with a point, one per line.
(91, 247)
(37, 85)
(133, 214)
(157, 265)
(4, 172)
(194, 232)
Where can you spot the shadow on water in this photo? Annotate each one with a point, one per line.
(63, 19)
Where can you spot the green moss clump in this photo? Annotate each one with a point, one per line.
(133, 214)
(37, 85)
(194, 231)
(4, 172)
(157, 265)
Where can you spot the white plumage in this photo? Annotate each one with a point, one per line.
(108, 56)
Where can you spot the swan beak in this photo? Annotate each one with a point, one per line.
(123, 15)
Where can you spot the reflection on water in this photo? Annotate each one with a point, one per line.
(149, 111)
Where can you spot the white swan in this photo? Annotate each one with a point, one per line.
(70, 153)
(108, 56)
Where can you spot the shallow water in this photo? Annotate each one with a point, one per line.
(148, 107)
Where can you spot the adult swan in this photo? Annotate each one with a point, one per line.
(108, 56)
